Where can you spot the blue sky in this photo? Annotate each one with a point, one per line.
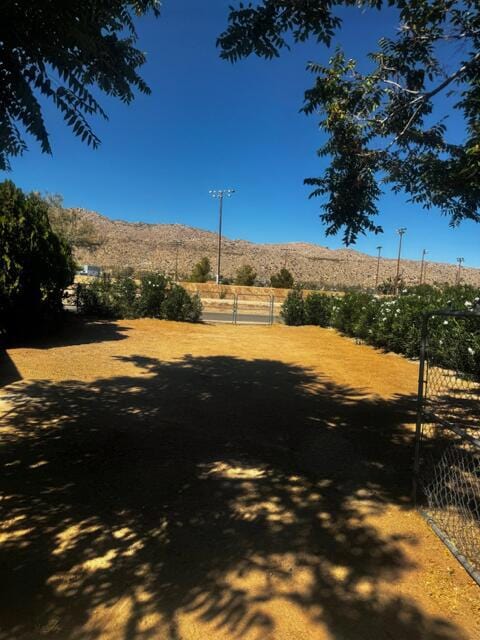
(209, 124)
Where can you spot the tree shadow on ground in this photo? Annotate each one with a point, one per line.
(209, 487)
(75, 330)
(8, 371)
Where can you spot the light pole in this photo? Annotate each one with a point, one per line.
(177, 246)
(220, 194)
(401, 233)
(459, 272)
(379, 249)
(423, 266)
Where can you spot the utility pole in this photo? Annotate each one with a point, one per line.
(423, 267)
(459, 272)
(401, 233)
(177, 246)
(379, 249)
(220, 194)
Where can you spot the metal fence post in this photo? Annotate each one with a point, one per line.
(420, 401)
(235, 308)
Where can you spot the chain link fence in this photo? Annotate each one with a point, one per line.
(447, 451)
(241, 308)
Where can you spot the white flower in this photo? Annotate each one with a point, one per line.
(468, 304)
(471, 351)
(445, 322)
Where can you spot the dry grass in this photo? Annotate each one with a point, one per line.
(173, 482)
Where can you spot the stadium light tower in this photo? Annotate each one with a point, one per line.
(401, 233)
(220, 194)
(423, 266)
(379, 249)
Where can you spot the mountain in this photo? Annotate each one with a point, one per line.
(157, 246)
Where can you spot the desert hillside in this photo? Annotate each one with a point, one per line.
(156, 246)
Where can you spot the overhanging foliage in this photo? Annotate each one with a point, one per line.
(386, 126)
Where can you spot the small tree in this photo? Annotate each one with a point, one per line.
(282, 280)
(201, 271)
(245, 275)
(36, 266)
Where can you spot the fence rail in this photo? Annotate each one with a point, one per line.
(447, 443)
(241, 309)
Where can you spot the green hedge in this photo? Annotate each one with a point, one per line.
(155, 297)
(395, 323)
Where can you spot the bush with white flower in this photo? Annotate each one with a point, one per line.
(395, 323)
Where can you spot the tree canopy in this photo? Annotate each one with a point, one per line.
(246, 275)
(388, 125)
(35, 264)
(201, 271)
(65, 52)
(282, 280)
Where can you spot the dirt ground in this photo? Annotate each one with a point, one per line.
(176, 482)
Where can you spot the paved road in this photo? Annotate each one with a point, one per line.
(242, 318)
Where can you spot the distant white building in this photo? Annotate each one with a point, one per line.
(90, 270)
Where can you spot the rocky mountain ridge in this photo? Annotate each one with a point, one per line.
(167, 247)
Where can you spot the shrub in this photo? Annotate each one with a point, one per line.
(201, 271)
(125, 297)
(153, 291)
(245, 276)
(156, 297)
(179, 305)
(318, 309)
(349, 315)
(396, 323)
(36, 266)
(282, 280)
(108, 298)
(293, 309)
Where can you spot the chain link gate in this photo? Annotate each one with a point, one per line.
(447, 442)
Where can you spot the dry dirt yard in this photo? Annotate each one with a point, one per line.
(176, 482)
